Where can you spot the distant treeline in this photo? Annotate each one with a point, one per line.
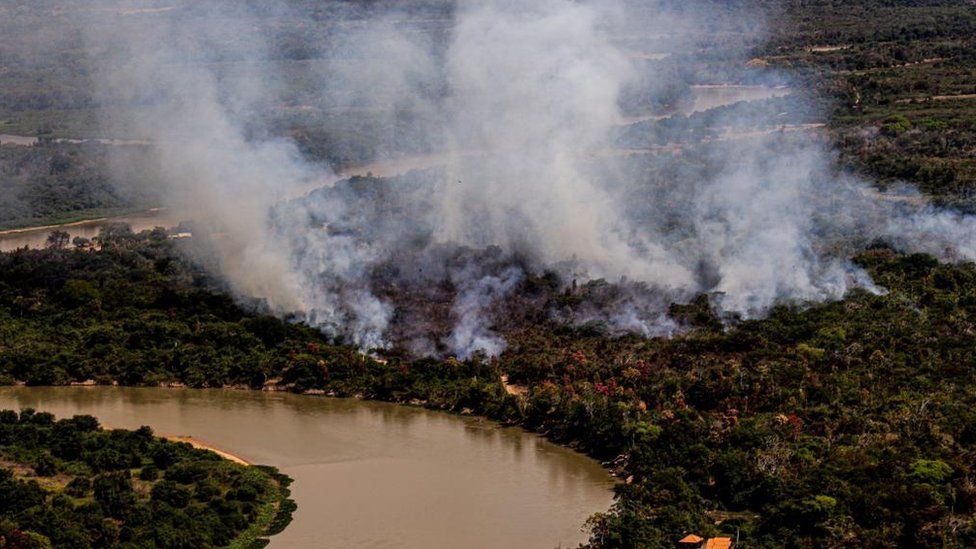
(52, 182)
(902, 77)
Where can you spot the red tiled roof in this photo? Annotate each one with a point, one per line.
(719, 543)
(690, 538)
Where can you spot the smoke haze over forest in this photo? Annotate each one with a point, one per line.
(520, 108)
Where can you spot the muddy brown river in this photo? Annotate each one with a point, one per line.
(370, 474)
(720, 95)
(36, 237)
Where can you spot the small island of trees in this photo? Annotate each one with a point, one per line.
(69, 483)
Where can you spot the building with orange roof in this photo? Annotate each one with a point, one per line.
(693, 541)
(719, 543)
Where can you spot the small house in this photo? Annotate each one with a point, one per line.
(692, 541)
(719, 543)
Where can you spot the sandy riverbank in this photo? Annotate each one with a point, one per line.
(35, 228)
(195, 442)
(82, 222)
(201, 445)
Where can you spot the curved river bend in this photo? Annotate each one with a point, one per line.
(370, 474)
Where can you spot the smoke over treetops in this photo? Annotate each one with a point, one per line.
(543, 146)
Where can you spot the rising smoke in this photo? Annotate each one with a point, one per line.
(515, 109)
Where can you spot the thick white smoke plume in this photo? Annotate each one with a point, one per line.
(536, 90)
(516, 109)
(476, 295)
(215, 176)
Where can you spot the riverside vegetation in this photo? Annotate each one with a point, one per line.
(843, 424)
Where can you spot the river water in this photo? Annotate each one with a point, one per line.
(706, 97)
(36, 237)
(370, 474)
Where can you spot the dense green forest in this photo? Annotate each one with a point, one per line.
(842, 424)
(70, 483)
(901, 76)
